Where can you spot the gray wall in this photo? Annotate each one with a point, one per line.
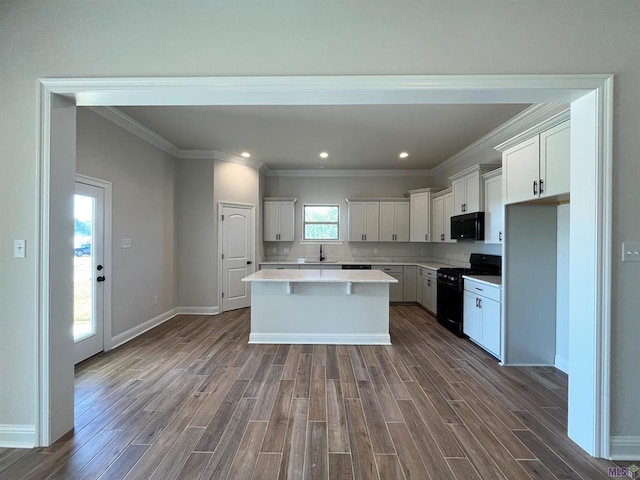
(562, 287)
(144, 190)
(73, 38)
(197, 277)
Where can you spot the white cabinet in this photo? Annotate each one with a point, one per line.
(396, 290)
(537, 167)
(394, 221)
(494, 207)
(420, 221)
(410, 283)
(427, 288)
(481, 313)
(279, 219)
(363, 221)
(441, 211)
(467, 189)
(273, 266)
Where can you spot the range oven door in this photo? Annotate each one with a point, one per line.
(449, 314)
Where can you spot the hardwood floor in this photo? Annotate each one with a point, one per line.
(191, 400)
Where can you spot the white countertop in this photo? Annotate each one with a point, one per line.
(491, 280)
(320, 276)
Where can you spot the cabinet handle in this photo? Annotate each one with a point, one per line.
(365, 236)
(429, 282)
(477, 302)
(535, 187)
(541, 185)
(442, 237)
(480, 302)
(425, 236)
(500, 236)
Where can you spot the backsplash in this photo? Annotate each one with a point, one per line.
(348, 251)
(456, 254)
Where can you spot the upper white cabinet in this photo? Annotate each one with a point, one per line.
(537, 167)
(279, 219)
(394, 221)
(420, 206)
(467, 189)
(363, 221)
(441, 211)
(493, 207)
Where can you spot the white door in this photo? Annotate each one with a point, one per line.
(89, 271)
(402, 222)
(521, 171)
(437, 218)
(387, 221)
(237, 255)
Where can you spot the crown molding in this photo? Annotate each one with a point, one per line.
(136, 128)
(525, 120)
(349, 173)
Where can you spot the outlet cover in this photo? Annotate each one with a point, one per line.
(631, 252)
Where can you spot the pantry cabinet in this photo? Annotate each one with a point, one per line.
(279, 219)
(537, 167)
(394, 221)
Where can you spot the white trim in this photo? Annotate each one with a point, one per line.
(331, 173)
(197, 311)
(228, 157)
(526, 364)
(320, 338)
(561, 363)
(332, 90)
(107, 253)
(318, 242)
(17, 436)
(136, 128)
(143, 327)
(536, 130)
(625, 448)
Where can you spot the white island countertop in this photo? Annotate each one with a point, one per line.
(320, 276)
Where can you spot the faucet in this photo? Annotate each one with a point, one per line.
(322, 257)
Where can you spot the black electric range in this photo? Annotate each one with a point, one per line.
(451, 288)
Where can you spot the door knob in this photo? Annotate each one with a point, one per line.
(101, 278)
(99, 267)
(249, 262)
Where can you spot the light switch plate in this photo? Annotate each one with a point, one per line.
(631, 252)
(126, 243)
(19, 248)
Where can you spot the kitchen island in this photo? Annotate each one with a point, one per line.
(320, 306)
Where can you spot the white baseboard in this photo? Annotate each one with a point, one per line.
(624, 448)
(562, 364)
(143, 327)
(197, 310)
(315, 338)
(17, 436)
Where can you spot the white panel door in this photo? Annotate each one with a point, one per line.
(419, 210)
(237, 256)
(287, 221)
(387, 221)
(271, 221)
(356, 221)
(494, 210)
(371, 221)
(89, 271)
(459, 189)
(491, 326)
(472, 193)
(471, 315)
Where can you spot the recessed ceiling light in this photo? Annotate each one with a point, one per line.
(403, 155)
(324, 155)
(245, 154)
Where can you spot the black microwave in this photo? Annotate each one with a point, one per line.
(469, 226)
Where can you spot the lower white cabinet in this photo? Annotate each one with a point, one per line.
(410, 283)
(427, 289)
(481, 313)
(396, 290)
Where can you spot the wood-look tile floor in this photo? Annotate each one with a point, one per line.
(192, 400)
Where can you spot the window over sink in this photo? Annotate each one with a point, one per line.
(321, 222)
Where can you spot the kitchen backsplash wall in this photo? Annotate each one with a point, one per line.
(348, 251)
(458, 253)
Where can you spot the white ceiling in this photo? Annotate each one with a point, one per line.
(355, 136)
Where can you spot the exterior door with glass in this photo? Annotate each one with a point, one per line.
(89, 270)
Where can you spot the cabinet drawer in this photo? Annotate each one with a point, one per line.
(428, 272)
(482, 289)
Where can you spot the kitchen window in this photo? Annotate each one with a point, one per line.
(321, 222)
